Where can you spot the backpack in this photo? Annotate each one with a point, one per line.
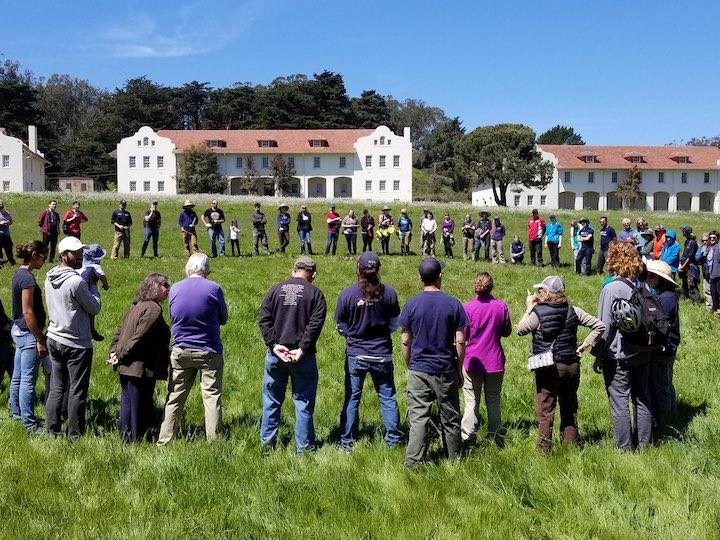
(641, 319)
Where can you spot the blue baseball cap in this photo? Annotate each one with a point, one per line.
(430, 268)
(369, 260)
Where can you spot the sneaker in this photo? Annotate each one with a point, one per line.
(97, 337)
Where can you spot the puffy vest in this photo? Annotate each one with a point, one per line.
(558, 323)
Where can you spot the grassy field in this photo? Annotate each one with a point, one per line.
(101, 487)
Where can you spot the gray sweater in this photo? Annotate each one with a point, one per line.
(70, 305)
(615, 345)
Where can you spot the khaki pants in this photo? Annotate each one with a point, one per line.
(190, 241)
(185, 364)
(472, 389)
(121, 237)
(497, 252)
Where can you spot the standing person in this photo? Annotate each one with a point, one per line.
(536, 230)
(213, 218)
(92, 273)
(517, 250)
(575, 237)
(140, 354)
(385, 226)
(6, 350)
(69, 338)
(484, 365)
(468, 234)
(553, 240)
(661, 282)
(197, 311)
(482, 236)
(644, 239)
(625, 370)
(349, 228)
(28, 324)
(304, 227)
(426, 211)
(366, 314)
(367, 227)
(6, 243)
(49, 222)
(701, 259)
(405, 226)
(670, 253)
(607, 235)
(688, 269)
(658, 241)
(553, 322)
(73, 220)
(583, 262)
(234, 238)
(428, 228)
(713, 265)
(151, 224)
(497, 234)
(448, 228)
(259, 221)
(121, 220)
(291, 318)
(433, 346)
(333, 221)
(283, 227)
(627, 234)
(188, 220)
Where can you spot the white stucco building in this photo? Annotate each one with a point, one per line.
(365, 164)
(674, 178)
(22, 166)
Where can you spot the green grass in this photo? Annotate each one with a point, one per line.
(101, 487)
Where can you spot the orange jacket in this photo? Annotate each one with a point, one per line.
(658, 244)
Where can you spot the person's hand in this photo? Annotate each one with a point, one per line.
(282, 352)
(296, 354)
(112, 359)
(581, 349)
(41, 347)
(105, 286)
(598, 365)
(530, 301)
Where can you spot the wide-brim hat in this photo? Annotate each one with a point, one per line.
(283, 207)
(662, 270)
(484, 213)
(386, 207)
(94, 253)
(584, 220)
(188, 204)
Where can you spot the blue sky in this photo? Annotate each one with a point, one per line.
(637, 72)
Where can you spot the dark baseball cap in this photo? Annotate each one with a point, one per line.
(369, 260)
(305, 263)
(430, 268)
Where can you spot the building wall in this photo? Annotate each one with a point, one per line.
(25, 170)
(161, 179)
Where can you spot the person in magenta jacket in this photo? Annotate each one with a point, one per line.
(484, 364)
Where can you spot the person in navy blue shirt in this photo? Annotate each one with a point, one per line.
(583, 262)
(433, 345)
(366, 314)
(607, 235)
(688, 269)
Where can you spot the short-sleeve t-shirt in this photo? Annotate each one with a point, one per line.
(433, 317)
(215, 217)
(587, 231)
(366, 322)
(24, 279)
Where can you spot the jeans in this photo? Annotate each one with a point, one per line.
(260, 237)
(448, 245)
(381, 374)
(303, 377)
(367, 242)
(155, 235)
(351, 240)
(473, 386)
(583, 261)
(385, 245)
(332, 238)
(215, 236)
(136, 406)
(601, 261)
(305, 239)
(71, 373)
(536, 256)
(24, 378)
(6, 244)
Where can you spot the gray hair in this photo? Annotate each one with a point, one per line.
(198, 263)
(150, 287)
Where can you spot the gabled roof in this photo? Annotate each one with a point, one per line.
(618, 157)
(289, 141)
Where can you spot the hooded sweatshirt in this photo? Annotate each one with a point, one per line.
(70, 305)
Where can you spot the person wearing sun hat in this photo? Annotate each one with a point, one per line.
(660, 281)
(187, 221)
(385, 229)
(92, 273)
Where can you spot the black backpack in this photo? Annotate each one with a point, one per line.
(655, 325)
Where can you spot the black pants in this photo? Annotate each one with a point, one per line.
(6, 244)
(585, 254)
(71, 372)
(351, 240)
(235, 244)
(486, 246)
(367, 242)
(536, 256)
(7, 355)
(447, 243)
(554, 249)
(385, 245)
(601, 261)
(50, 241)
(283, 240)
(136, 407)
(715, 293)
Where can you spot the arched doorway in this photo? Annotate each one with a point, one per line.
(684, 201)
(316, 187)
(591, 200)
(707, 201)
(342, 187)
(567, 200)
(613, 201)
(292, 189)
(661, 201)
(641, 202)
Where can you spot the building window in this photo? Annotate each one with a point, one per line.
(146, 185)
(152, 143)
(267, 143)
(682, 159)
(683, 178)
(589, 159)
(661, 177)
(706, 177)
(83, 187)
(6, 161)
(318, 143)
(382, 141)
(636, 159)
(382, 161)
(388, 141)
(291, 162)
(161, 185)
(265, 162)
(591, 177)
(368, 185)
(133, 186)
(238, 162)
(567, 176)
(68, 186)
(614, 178)
(530, 200)
(146, 162)
(396, 161)
(145, 141)
(375, 142)
(216, 143)
(316, 162)
(382, 185)
(160, 162)
(132, 162)
(341, 162)
(396, 185)
(295, 188)
(516, 200)
(543, 200)
(368, 161)
(139, 142)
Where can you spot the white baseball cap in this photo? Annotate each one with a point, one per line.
(70, 243)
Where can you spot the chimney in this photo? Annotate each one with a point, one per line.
(406, 132)
(32, 138)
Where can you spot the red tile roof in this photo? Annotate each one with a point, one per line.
(615, 157)
(289, 141)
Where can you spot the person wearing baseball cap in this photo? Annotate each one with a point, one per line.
(69, 339)
(259, 220)
(688, 269)
(122, 221)
(701, 256)
(554, 323)
(187, 221)
(151, 224)
(583, 261)
(433, 346)
(291, 319)
(366, 314)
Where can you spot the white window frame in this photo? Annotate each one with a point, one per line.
(543, 200)
(146, 141)
(706, 178)
(160, 162)
(368, 185)
(238, 162)
(396, 185)
(316, 162)
(133, 185)
(146, 162)
(614, 177)
(342, 162)
(516, 200)
(683, 178)
(382, 161)
(591, 177)
(567, 177)
(146, 186)
(636, 159)
(161, 186)
(6, 161)
(661, 177)
(396, 161)
(530, 199)
(589, 159)
(382, 185)
(368, 161)
(132, 162)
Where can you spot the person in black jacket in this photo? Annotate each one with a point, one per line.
(304, 227)
(291, 318)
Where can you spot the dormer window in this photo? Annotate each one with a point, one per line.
(382, 141)
(216, 143)
(589, 159)
(679, 157)
(637, 159)
(145, 141)
(318, 143)
(634, 157)
(267, 143)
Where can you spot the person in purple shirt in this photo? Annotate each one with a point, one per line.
(365, 314)
(627, 234)
(197, 310)
(484, 364)
(448, 228)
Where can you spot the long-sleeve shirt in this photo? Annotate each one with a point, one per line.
(283, 222)
(530, 323)
(448, 226)
(292, 314)
(258, 220)
(670, 254)
(188, 220)
(428, 226)
(489, 321)
(197, 310)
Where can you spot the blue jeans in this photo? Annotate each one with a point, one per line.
(25, 373)
(153, 234)
(304, 380)
(304, 239)
(332, 238)
(214, 236)
(382, 377)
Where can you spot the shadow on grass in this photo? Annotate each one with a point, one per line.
(686, 413)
